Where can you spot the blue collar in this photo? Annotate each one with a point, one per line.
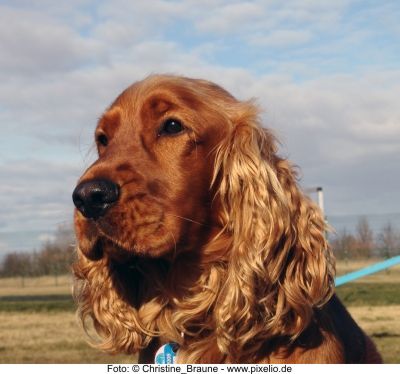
(166, 354)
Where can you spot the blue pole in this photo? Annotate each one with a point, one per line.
(367, 271)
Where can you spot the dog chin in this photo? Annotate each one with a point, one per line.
(121, 252)
(93, 250)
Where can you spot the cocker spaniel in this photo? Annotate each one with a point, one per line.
(191, 229)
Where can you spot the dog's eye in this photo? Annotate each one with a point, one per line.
(171, 127)
(102, 140)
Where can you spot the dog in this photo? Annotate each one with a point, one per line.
(192, 229)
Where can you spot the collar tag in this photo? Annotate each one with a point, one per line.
(166, 354)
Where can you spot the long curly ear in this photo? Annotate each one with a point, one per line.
(120, 327)
(280, 265)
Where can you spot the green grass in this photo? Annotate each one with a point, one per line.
(37, 303)
(372, 294)
(352, 294)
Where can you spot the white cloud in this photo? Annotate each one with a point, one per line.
(227, 18)
(281, 38)
(264, 17)
(354, 109)
(44, 238)
(3, 247)
(33, 43)
(36, 194)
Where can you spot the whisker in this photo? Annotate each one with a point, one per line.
(187, 219)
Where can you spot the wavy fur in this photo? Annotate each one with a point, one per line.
(280, 266)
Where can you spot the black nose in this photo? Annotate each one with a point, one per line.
(93, 198)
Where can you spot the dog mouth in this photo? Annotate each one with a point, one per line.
(147, 231)
(99, 239)
(104, 246)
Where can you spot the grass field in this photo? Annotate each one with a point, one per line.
(38, 324)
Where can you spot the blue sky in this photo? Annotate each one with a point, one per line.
(325, 73)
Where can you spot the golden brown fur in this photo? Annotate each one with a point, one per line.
(211, 244)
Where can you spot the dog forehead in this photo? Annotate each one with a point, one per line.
(157, 96)
(182, 89)
(150, 100)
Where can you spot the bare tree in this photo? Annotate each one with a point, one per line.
(54, 258)
(389, 241)
(364, 237)
(17, 264)
(343, 244)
